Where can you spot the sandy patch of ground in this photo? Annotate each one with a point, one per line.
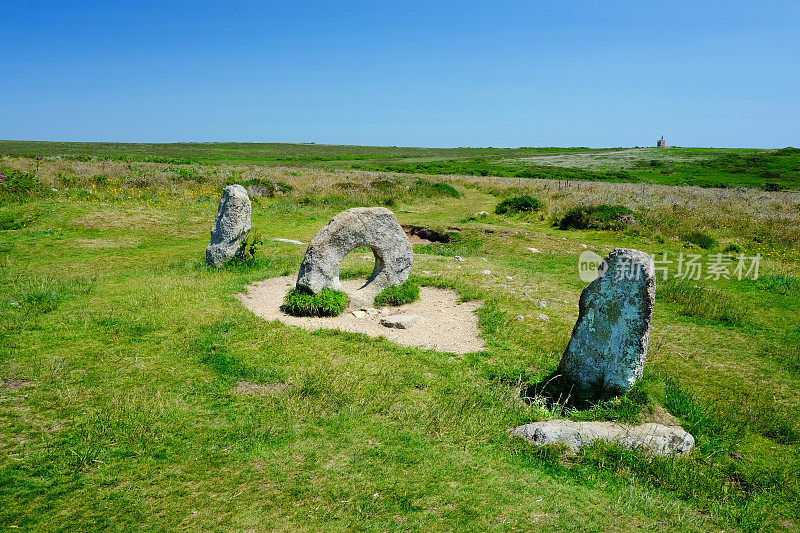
(12, 384)
(448, 326)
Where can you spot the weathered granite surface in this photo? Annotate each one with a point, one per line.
(653, 438)
(230, 227)
(375, 227)
(608, 347)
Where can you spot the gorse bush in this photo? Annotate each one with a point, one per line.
(264, 187)
(184, 174)
(518, 204)
(604, 217)
(17, 186)
(398, 294)
(706, 242)
(733, 248)
(326, 302)
(700, 302)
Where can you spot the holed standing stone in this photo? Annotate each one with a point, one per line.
(607, 351)
(231, 226)
(375, 227)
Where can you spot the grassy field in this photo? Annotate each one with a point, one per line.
(704, 167)
(138, 392)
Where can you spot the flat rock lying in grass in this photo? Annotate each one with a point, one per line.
(653, 438)
(449, 326)
(230, 227)
(375, 227)
(607, 351)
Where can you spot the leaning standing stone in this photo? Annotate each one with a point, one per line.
(608, 347)
(231, 226)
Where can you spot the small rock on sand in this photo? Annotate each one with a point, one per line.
(401, 321)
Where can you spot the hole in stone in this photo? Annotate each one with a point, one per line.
(360, 263)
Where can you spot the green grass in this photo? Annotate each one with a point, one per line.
(778, 284)
(699, 301)
(326, 302)
(137, 391)
(395, 295)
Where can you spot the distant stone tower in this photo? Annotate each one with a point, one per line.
(661, 143)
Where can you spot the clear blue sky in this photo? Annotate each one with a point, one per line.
(549, 73)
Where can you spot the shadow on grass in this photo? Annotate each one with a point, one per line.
(557, 390)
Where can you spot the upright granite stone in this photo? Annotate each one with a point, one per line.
(375, 227)
(231, 226)
(608, 347)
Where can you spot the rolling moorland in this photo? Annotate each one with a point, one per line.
(702, 167)
(138, 392)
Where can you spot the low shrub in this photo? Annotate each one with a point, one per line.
(518, 204)
(398, 294)
(326, 302)
(733, 248)
(603, 217)
(185, 174)
(706, 242)
(268, 188)
(701, 302)
(248, 248)
(16, 185)
(67, 180)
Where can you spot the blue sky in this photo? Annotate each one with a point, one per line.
(584, 73)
